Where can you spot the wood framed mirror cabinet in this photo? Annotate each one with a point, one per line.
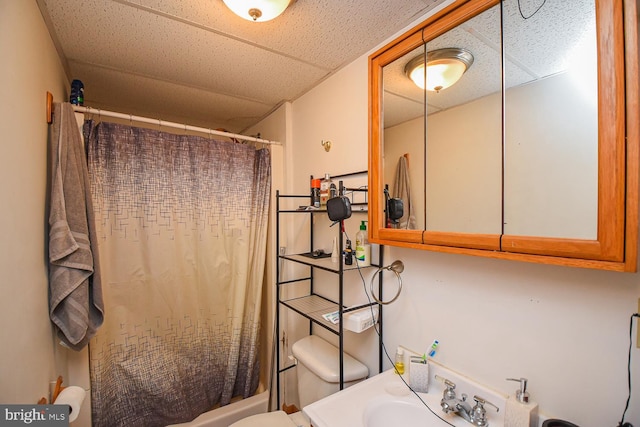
(532, 155)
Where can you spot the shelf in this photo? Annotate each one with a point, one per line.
(355, 208)
(313, 307)
(323, 263)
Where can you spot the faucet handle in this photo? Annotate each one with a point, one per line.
(449, 392)
(478, 413)
(446, 382)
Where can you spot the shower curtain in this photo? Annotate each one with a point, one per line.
(182, 228)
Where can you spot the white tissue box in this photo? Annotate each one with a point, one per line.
(361, 320)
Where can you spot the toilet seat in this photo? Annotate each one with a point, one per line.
(269, 419)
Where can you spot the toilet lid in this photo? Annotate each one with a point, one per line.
(323, 359)
(269, 419)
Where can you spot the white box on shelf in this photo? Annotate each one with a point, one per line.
(361, 320)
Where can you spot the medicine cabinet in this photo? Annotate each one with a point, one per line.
(533, 154)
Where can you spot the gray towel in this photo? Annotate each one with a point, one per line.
(402, 190)
(75, 304)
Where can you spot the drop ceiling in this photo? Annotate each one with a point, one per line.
(195, 62)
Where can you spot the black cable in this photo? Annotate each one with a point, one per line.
(530, 16)
(384, 348)
(622, 423)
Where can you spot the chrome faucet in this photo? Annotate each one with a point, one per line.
(450, 403)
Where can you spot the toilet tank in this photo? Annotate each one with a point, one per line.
(319, 369)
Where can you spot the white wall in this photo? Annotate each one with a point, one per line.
(30, 67)
(565, 329)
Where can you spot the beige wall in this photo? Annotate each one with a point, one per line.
(565, 329)
(30, 67)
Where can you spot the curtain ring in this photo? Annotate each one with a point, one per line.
(397, 273)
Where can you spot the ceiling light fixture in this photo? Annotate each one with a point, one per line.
(258, 10)
(444, 68)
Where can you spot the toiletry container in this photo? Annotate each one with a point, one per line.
(77, 92)
(363, 249)
(348, 254)
(519, 410)
(419, 374)
(315, 192)
(399, 362)
(325, 187)
(335, 254)
(318, 372)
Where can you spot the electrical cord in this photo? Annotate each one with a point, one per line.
(622, 423)
(384, 348)
(534, 12)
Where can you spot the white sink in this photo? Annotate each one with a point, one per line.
(384, 400)
(385, 412)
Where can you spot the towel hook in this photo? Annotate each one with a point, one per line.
(326, 145)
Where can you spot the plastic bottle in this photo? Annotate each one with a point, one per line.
(335, 255)
(315, 192)
(361, 242)
(348, 254)
(399, 363)
(77, 93)
(325, 187)
(333, 191)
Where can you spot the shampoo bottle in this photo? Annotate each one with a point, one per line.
(363, 249)
(519, 410)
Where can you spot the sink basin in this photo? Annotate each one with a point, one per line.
(384, 400)
(393, 412)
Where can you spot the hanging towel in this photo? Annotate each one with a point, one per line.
(402, 190)
(75, 304)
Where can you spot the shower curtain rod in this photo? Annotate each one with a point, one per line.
(89, 110)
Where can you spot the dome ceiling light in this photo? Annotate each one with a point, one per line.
(444, 68)
(258, 10)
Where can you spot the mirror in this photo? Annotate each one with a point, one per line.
(404, 141)
(455, 171)
(551, 119)
(548, 173)
(464, 146)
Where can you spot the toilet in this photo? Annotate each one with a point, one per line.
(318, 372)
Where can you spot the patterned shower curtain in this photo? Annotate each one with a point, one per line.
(182, 227)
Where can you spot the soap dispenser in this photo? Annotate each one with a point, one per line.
(519, 410)
(399, 362)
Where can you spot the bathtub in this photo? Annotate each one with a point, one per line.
(229, 414)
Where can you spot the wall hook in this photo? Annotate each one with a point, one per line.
(326, 145)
